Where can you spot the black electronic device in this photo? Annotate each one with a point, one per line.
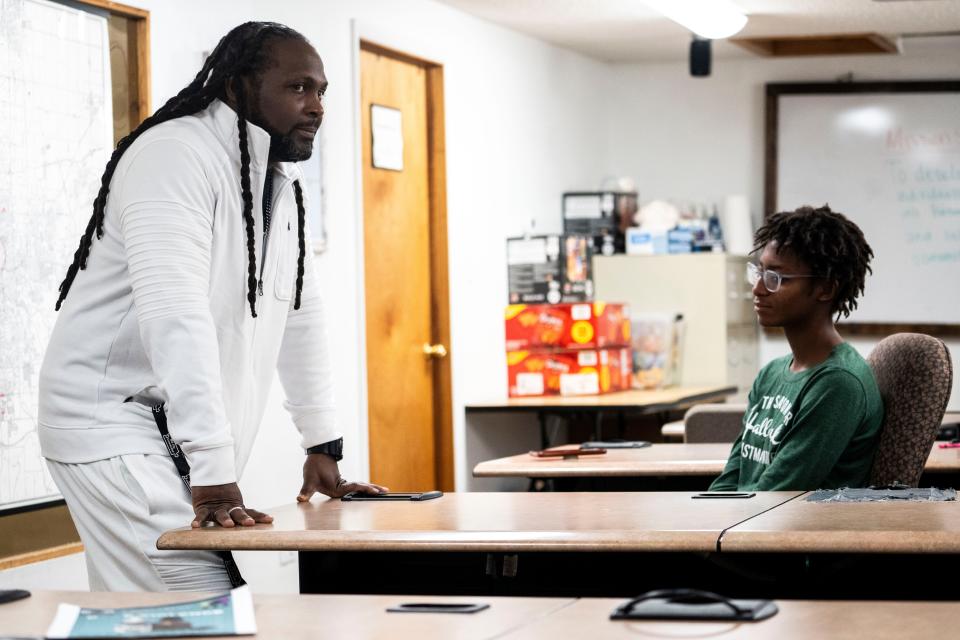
(356, 496)
(700, 58)
(438, 607)
(12, 595)
(691, 604)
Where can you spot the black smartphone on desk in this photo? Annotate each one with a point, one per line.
(356, 496)
(12, 595)
(438, 607)
(725, 494)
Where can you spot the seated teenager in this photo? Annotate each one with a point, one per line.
(813, 417)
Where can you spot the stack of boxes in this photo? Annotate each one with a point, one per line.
(567, 349)
(560, 342)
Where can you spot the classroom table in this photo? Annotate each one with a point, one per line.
(291, 617)
(891, 527)
(496, 543)
(635, 401)
(641, 400)
(796, 619)
(840, 549)
(659, 459)
(664, 460)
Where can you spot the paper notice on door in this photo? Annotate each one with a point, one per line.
(386, 126)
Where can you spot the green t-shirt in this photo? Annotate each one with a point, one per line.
(816, 429)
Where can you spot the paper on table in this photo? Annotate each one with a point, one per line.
(228, 614)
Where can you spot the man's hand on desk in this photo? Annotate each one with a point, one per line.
(321, 474)
(223, 505)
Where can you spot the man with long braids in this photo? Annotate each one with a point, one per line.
(192, 284)
(813, 417)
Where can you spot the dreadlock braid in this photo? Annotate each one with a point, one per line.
(301, 223)
(247, 205)
(829, 243)
(239, 53)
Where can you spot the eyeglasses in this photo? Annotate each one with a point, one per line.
(771, 279)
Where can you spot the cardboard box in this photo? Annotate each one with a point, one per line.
(588, 325)
(550, 269)
(569, 372)
(604, 215)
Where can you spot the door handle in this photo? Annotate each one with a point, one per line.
(434, 350)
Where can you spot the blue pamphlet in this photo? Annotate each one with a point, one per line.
(228, 614)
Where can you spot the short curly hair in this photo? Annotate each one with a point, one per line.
(831, 245)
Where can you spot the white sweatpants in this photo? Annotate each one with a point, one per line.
(120, 507)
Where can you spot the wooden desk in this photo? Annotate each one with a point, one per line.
(943, 460)
(799, 619)
(659, 459)
(634, 400)
(500, 544)
(499, 427)
(891, 527)
(285, 617)
(491, 522)
(292, 617)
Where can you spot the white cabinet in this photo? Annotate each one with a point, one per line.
(710, 290)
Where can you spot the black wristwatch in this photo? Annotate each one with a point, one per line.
(334, 449)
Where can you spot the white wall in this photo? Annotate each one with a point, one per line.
(68, 573)
(701, 139)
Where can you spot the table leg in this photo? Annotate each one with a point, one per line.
(544, 437)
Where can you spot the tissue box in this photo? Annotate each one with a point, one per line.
(644, 243)
(568, 372)
(567, 326)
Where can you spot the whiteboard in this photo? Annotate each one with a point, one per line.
(890, 161)
(56, 135)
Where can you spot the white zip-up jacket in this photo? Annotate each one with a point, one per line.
(160, 314)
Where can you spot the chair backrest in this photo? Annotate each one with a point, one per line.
(915, 374)
(713, 422)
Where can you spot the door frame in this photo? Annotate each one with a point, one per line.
(370, 40)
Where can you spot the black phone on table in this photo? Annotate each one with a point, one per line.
(356, 496)
(565, 452)
(12, 595)
(439, 607)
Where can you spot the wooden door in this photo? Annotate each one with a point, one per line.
(405, 281)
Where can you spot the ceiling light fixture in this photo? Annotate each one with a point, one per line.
(711, 19)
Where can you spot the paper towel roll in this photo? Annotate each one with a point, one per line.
(737, 225)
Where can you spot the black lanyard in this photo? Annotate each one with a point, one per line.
(183, 468)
